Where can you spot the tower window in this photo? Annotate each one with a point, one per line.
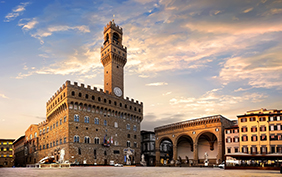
(118, 52)
(99, 99)
(105, 101)
(86, 96)
(120, 105)
(79, 94)
(114, 49)
(117, 66)
(93, 97)
(115, 103)
(116, 38)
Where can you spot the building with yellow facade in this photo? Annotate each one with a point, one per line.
(6, 152)
(260, 131)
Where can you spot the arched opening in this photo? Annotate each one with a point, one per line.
(166, 151)
(207, 147)
(116, 38)
(106, 38)
(185, 149)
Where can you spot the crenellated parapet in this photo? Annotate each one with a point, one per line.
(102, 92)
(112, 25)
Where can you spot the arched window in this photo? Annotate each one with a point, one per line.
(86, 96)
(30, 137)
(79, 151)
(128, 144)
(72, 93)
(47, 129)
(79, 94)
(96, 121)
(86, 119)
(116, 124)
(86, 140)
(96, 140)
(76, 139)
(105, 122)
(43, 130)
(116, 38)
(35, 135)
(128, 127)
(134, 128)
(76, 118)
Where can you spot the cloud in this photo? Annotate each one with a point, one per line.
(273, 11)
(157, 84)
(17, 11)
(248, 10)
(3, 96)
(167, 93)
(213, 103)
(263, 70)
(29, 25)
(85, 66)
(41, 33)
(241, 89)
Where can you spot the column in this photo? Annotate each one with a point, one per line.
(195, 154)
(219, 154)
(174, 152)
(158, 154)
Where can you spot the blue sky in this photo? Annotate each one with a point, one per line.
(186, 59)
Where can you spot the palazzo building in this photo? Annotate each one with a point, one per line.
(232, 140)
(148, 147)
(19, 152)
(260, 131)
(6, 153)
(93, 126)
(192, 139)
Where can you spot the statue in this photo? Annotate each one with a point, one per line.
(143, 162)
(180, 160)
(206, 159)
(128, 162)
(142, 158)
(187, 160)
(62, 156)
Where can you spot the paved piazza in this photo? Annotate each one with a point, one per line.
(132, 172)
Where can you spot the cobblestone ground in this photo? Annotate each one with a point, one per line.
(133, 172)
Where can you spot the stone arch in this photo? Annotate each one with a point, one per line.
(207, 142)
(165, 147)
(185, 146)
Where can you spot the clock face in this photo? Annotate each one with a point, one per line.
(117, 91)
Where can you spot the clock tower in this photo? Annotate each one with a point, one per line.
(113, 58)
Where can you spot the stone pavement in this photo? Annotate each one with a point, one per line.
(133, 172)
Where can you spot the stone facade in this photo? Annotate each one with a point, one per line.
(232, 140)
(191, 139)
(19, 153)
(93, 126)
(6, 152)
(148, 147)
(261, 131)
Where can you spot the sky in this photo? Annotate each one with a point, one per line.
(186, 58)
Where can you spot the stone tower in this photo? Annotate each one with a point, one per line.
(113, 58)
